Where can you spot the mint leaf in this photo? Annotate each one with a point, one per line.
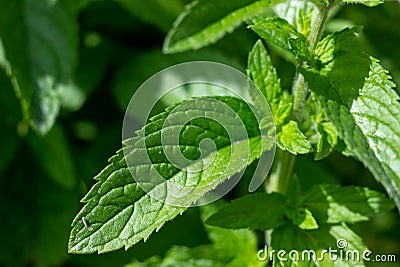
(308, 223)
(335, 204)
(290, 138)
(204, 22)
(369, 3)
(311, 245)
(118, 213)
(263, 74)
(327, 48)
(298, 13)
(302, 217)
(40, 57)
(276, 37)
(358, 98)
(327, 141)
(254, 211)
(277, 24)
(301, 50)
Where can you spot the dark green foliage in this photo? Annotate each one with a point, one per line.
(68, 69)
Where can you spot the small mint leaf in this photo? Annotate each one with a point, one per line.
(302, 217)
(309, 223)
(328, 47)
(289, 237)
(328, 139)
(205, 22)
(301, 50)
(263, 74)
(290, 138)
(254, 211)
(278, 24)
(335, 204)
(369, 3)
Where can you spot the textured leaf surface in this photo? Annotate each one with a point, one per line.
(263, 74)
(119, 213)
(254, 211)
(205, 21)
(40, 54)
(359, 99)
(335, 204)
(328, 48)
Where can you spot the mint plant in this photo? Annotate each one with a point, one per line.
(342, 99)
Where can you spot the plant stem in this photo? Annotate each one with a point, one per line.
(281, 172)
(300, 90)
(284, 163)
(318, 27)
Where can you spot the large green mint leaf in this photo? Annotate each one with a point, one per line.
(118, 213)
(205, 21)
(358, 97)
(309, 248)
(39, 54)
(335, 204)
(254, 211)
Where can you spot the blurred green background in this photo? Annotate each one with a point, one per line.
(42, 179)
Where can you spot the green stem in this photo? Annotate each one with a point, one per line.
(281, 172)
(300, 90)
(318, 27)
(283, 167)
